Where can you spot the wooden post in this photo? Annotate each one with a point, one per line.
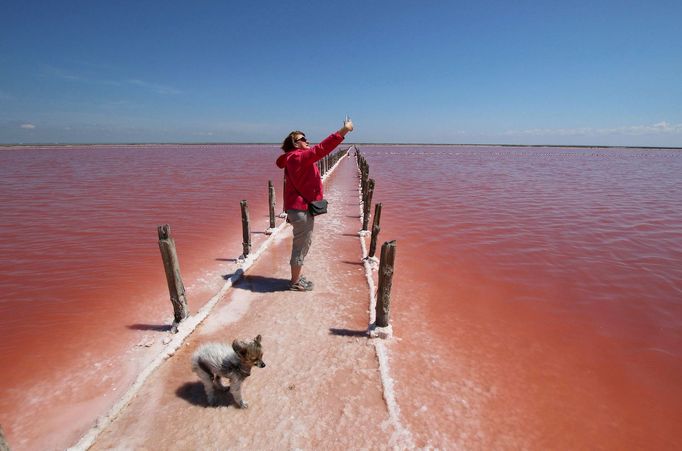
(271, 199)
(3, 442)
(173, 277)
(246, 228)
(367, 204)
(385, 281)
(375, 230)
(284, 190)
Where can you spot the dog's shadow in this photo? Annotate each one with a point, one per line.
(193, 393)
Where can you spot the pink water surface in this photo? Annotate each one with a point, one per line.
(537, 302)
(537, 296)
(84, 291)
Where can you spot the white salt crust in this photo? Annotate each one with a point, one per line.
(402, 436)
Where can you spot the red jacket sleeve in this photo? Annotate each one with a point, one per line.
(320, 150)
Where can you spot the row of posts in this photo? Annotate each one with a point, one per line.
(169, 254)
(328, 161)
(367, 191)
(387, 261)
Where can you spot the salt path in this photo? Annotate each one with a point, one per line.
(326, 384)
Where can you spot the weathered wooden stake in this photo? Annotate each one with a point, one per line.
(385, 281)
(173, 277)
(3, 442)
(368, 204)
(246, 228)
(375, 230)
(284, 190)
(271, 199)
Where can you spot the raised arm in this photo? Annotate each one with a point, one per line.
(326, 146)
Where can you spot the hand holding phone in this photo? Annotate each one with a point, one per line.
(348, 123)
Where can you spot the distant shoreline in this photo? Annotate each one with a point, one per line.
(558, 146)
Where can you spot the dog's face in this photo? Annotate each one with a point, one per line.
(249, 352)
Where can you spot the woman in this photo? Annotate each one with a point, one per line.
(303, 185)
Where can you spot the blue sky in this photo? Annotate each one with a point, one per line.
(529, 72)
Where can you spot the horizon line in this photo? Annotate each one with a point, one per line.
(212, 143)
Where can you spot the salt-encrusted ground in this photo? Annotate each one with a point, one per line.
(322, 386)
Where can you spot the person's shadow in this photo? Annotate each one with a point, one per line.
(262, 284)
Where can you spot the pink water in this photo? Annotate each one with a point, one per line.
(82, 278)
(537, 301)
(538, 294)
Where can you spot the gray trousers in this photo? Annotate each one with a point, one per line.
(303, 223)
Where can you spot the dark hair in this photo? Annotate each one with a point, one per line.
(288, 143)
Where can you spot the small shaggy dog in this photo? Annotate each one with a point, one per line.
(212, 361)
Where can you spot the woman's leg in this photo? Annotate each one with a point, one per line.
(295, 273)
(303, 223)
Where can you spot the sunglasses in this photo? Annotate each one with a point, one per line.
(302, 138)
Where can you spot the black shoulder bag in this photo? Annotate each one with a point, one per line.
(317, 207)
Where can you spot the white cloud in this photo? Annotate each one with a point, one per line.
(632, 130)
(28, 126)
(159, 89)
(61, 73)
(70, 76)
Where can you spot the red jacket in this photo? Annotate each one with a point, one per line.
(301, 173)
